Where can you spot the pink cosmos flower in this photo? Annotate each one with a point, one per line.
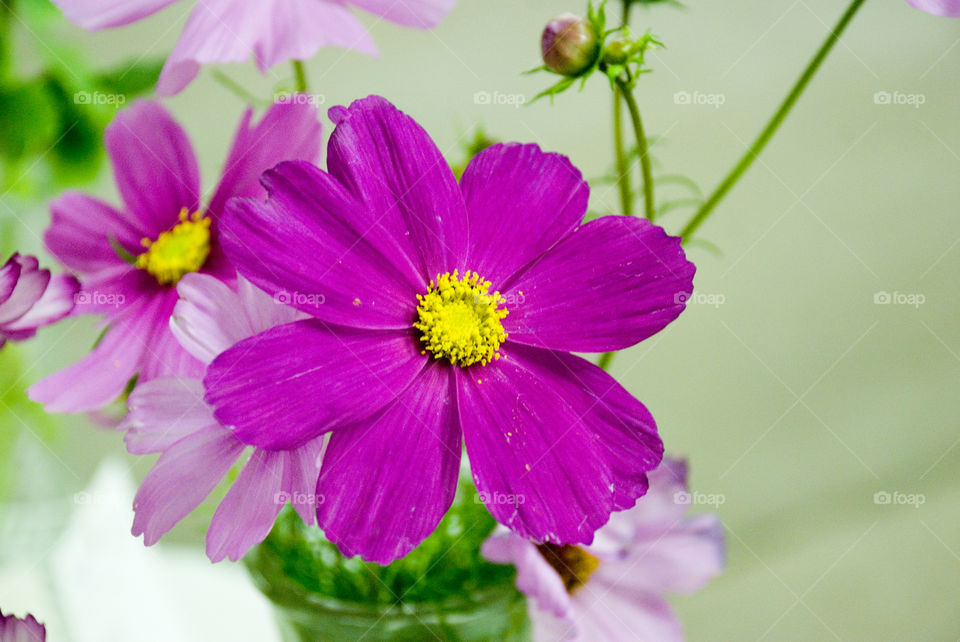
(274, 31)
(168, 416)
(945, 8)
(613, 590)
(21, 630)
(164, 232)
(31, 298)
(443, 315)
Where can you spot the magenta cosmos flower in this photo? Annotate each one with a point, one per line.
(274, 31)
(164, 232)
(613, 590)
(31, 298)
(21, 630)
(444, 314)
(168, 416)
(945, 8)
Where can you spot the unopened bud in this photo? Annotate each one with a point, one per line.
(569, 45)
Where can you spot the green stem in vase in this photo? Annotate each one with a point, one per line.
(778, 117)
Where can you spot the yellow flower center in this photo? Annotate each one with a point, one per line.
(179, 251)
(460, 319)
(574, 564)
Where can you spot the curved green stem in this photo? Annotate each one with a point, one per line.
(300, 73)
(737, 172)
(646, 171)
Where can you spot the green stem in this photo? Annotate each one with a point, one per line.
(300, 73)
(774, 124)
(646, 172)
(623, 172)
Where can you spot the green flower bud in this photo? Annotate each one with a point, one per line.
(570, 45)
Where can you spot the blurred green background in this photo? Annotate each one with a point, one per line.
(795, 395)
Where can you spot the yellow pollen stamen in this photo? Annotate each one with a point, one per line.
(461, 320)
(179, 251)
(575, 565)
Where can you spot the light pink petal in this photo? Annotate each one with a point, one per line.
(945, 8)
(535, 577)
(181, 479)
(680, 560)
(163, 355)
(211, 316)
(288, 131)
(154, 166)
(248, 511)
(56, 302)
(81, 231)
(274, 31)
(301, 469)
(423, 14)
(387, 481)
(98, 14)
(164, 411)
(28, 629)
(615, 614)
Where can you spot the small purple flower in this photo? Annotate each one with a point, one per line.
(21, 630)
(945, 8)
(31, 298)
(168, 416)
(443, 315)
(613, 590)
(164, 232)
(274, 31)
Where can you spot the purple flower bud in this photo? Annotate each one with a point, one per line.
(570, 45)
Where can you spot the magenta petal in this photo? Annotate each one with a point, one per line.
(248, 511)
(154, 165)
(102, 375)
(945, 8)
(163, 355)
(98, 14)
(627, 434)
(535, 455)
(521, 201)
(391, 164)
(423, 14)
(274, 31)
(181, 479)
(286, 386)
(9, 275)
(164, 411)
(610, 284)
(323, 253)
(288, 131)
(81, 231)
(30, 286)
(387, 482)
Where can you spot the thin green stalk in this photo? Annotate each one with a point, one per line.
(623, 171)
(737, 172)
(646, 171)
(300, 73)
